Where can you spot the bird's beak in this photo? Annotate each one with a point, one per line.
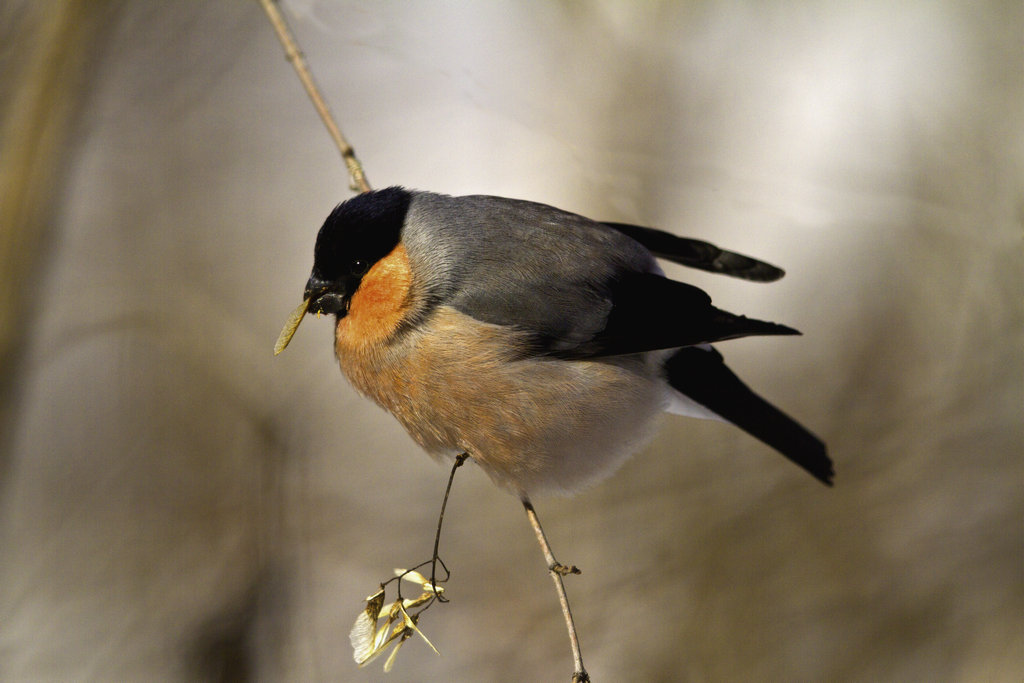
(320, 297)
(327, 297)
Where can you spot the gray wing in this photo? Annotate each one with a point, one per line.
(578, 288)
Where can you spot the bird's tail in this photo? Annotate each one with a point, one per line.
(699, 373)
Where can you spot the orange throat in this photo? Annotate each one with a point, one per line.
(378, 306)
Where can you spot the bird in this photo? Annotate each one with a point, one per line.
(543, 344)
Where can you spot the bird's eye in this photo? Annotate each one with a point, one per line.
(359, 267)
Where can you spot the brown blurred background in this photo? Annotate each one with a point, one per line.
(176, 504)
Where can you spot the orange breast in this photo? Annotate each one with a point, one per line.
(379, 305)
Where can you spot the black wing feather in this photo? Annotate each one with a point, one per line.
(701, 374)
(697, 254)
(649, 312)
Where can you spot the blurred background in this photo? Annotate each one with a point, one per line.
(177, 504)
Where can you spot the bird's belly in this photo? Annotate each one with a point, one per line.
(536, 425)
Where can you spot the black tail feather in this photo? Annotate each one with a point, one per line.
(701, 374)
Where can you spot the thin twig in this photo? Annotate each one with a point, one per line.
(459, 459)
(294, 55)
(557, 571)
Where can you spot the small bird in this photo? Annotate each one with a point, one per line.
(542, 343)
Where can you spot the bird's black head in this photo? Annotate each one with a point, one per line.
(357, 234)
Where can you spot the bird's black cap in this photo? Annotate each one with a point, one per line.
(359, 232)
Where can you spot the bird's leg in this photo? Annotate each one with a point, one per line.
(557, 571)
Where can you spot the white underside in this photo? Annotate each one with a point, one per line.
(681, 404)
(678, 402)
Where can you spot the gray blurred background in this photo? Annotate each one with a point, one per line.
(177, 504)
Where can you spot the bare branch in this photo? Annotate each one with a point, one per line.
(294, 55)
(557, 571)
